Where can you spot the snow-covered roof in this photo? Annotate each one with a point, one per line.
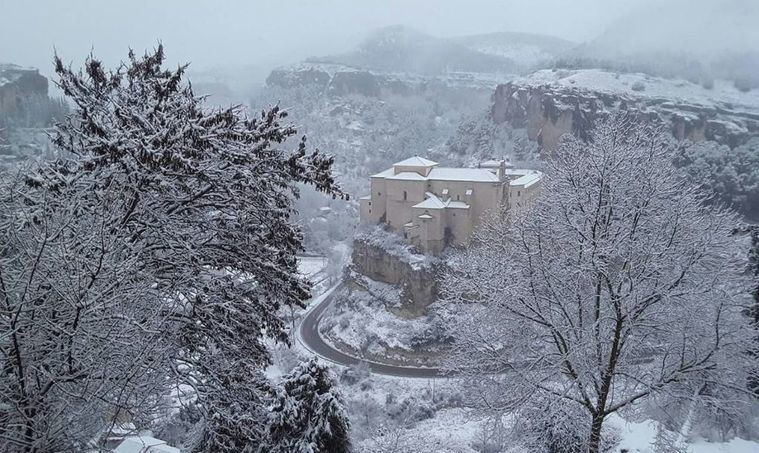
(407, 175)
(144, 444)
(463, 174)
(457, 205)
(384, 173)
(415, 161)
(518, 172)
(366, 197)
(434, 202)
(446, 173)
(527, 180)
(425, 216)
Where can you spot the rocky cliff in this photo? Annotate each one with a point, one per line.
(381, 258)
(551, 103)
(18, 84)
(338, 80)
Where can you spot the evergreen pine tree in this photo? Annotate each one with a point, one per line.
(308, 414)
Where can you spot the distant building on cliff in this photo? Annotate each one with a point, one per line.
(435, 206)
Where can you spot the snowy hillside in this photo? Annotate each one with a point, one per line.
(402, 49)
(723, 94)
(525, 49)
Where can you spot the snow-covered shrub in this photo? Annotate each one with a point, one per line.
(492, 437)
(355, 374)
(552, 426)
(285, 358)
(411, 410)
(668, 441)
(638, 86)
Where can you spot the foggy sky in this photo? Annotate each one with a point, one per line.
(267, 32)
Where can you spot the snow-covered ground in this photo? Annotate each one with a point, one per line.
(364, 317)
(638, 437)
(429, 415)
(310, 266)
(723, 94)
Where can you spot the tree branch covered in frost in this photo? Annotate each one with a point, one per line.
(619, 283)
(81, 333)
(192, 208)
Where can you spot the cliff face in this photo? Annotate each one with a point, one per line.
(416, 282)
(18, 84)
(338, 80)
(549, 104)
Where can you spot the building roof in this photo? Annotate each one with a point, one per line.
(434, 202)
(527, 180)
(457, 205)
(384, 173)
(425, 216)
(407, 175)
(463, 174)
(415, 161)
(451, 174)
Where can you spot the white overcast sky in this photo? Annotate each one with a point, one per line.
(265, 32)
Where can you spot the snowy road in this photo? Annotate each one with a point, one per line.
(308, 335)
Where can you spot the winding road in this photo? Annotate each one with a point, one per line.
(308, 336)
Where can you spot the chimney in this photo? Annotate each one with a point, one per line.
(502, 170)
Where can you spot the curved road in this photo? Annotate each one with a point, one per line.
(308, 335)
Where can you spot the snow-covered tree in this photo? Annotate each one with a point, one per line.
(733, 174)
(82, 336)
(618, 283)
(308, 414)
(192, 207)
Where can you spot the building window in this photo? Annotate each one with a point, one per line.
(405, 196)
(458, 197)
(519, 193)
(379, 194)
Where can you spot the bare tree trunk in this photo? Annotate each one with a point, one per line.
(594, 446)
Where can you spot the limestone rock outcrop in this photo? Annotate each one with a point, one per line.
(18, 84)
(415, 279)
(551, 103)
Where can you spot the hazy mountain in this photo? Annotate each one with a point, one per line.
(525, 49)
(402, 49)
(679, 39)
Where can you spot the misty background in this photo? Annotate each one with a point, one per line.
(256, 36)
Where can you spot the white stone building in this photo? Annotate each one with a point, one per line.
(435, 206)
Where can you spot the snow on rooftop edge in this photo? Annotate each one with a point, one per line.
(415, 161)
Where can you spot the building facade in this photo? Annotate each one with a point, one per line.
(436, 206)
